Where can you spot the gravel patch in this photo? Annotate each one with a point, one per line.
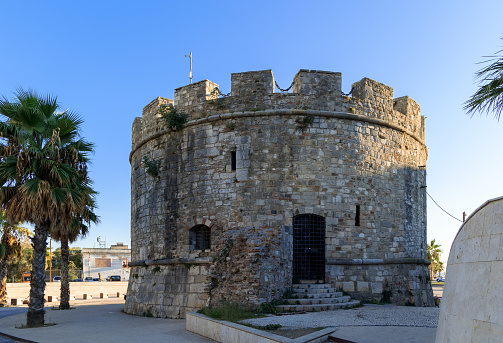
(368, 315)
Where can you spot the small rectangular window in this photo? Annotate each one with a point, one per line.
(357, 216)
(233, 160)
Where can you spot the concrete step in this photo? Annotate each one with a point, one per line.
(314, 290)
(316, 295)
(317, 308)
(309, 286)
(319, 301)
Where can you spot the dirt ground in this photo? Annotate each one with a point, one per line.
(292, 333)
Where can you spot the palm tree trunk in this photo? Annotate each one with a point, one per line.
(65, 283)
(35, 315)
(3, 282)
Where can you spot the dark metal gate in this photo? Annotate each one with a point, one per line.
(309, 247)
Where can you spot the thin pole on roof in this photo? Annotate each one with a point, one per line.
(190, 74)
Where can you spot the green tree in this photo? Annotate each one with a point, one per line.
(11, 239)
(78, 227)
(433, 255)
(489, 97)
(20, 264)
(438, 268)
(76, 257)
(41, 157)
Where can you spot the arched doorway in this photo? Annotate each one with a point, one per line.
(309, 247)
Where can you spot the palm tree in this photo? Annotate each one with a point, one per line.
(78, 227)
(489, 97)
(433, 255)
(41, 156)
(12, 236)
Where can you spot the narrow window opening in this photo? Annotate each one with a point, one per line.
(357, 216)
(199, 238)
(233, 160)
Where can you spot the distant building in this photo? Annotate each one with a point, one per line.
(107, 261)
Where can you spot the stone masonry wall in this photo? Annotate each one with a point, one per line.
(167, 291)
(252, 266)
(319, 152)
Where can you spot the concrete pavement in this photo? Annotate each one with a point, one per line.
(438, 290)
(102, 320)
(99, 320)
(387, 334)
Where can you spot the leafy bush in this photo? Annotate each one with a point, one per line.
(151, 166)
(174, 119)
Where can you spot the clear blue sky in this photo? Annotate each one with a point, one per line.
(108, 59)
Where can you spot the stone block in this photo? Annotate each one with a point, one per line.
(87, 296)
(194, 93)
(372, 90)
(407, 106)
(103, 295)
(317, 82)
(348, 286)
(376, 287)
(362, 286)
(252, 83)
(193, 301)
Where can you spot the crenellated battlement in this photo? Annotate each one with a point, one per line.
(254, 91)
(317, 82)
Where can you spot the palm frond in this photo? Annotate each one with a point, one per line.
(489, 97)
(60, 195)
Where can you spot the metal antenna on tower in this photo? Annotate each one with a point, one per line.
(190, 74)
(103, 244)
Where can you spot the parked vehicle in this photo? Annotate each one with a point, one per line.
(56, 279)
(114, 278)
(440, 279)
(77, 280)
(27, 277)
(95, 279)
(88, 279)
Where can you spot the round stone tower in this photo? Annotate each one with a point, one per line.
(259, 190)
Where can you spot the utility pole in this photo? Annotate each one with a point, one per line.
(190, 74)
(464, 216)
(50, 259)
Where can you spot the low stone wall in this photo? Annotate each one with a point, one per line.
(22, 290)
(226, 332)
(167, 288)
(472, 305)
(402, 281)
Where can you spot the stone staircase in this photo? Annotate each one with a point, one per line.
(316, 297)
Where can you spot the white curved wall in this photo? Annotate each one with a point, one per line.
(472, 303)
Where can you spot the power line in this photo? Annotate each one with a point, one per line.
(442, 208)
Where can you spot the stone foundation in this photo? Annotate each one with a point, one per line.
(403, 282)
(167, 289)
